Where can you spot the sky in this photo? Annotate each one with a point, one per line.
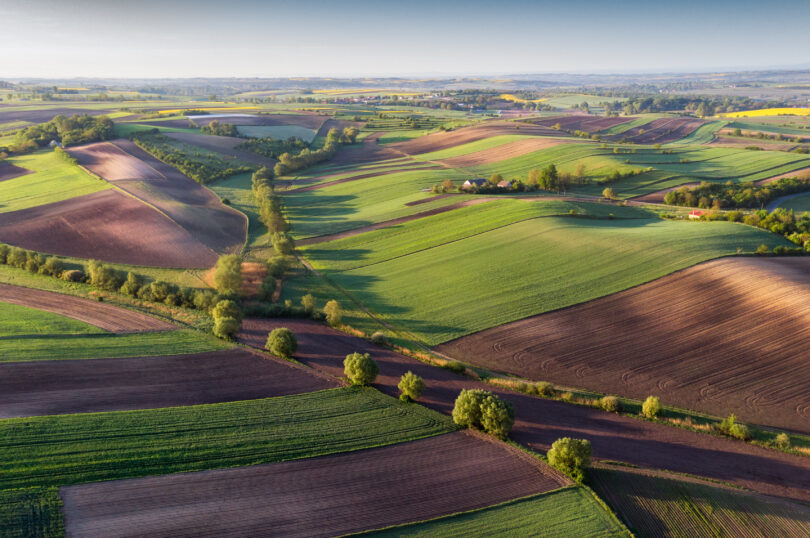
(341, 38)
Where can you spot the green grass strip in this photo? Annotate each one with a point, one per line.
(31, 512)
(17, 320)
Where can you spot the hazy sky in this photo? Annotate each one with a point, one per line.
(166, 38)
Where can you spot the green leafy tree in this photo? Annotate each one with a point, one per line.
(475, 408)
(411, 387)
(550, 179)
(282, 343)
(571, 456)
(651, 407)
(360, 369)
(308, 303)
(609, 193)
(226, 328)
(494, 179)
(228, 274)
(333, 312)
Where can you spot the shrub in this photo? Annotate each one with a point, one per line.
(571, 456)
(16, 257)
(308, 303)
(162, 290)
(4, 250)
(226, 309)
(455, 367)
(610, 404)
(104, 277)
(205, 300)
(277, 266)
(609, 193)
(763, 249)
(282, 243)
(52, 267)
(73, 275)
(476, 408)
(267, 288)
(228, 274)
(33, 262)
(732, 428)
(411, 387)
(544, 388)
(360, 369)
(651, 407)
(334, 313)
(226, 328)
(281, 342)
(132, 285)
(782, 440)
(379, 338)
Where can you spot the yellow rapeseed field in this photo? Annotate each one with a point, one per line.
(516, 99)
(768, 112)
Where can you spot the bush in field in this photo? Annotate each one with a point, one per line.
(226, 328)
(782, 440)
(476, 408)
(609, 193)
(333, 312)
(17, 257)
(571, 456)
(282, 243)
(379, 338)
(611, 404)
(204, 300)
(132, 285)
(4, 250)
(226, 309)
(33, 262)
(267, 288)
(651, 407)
(308, 303)
(360, 369)
(544, 388)
(104, 277)
(73, 275)
(455, 367)
(732, 428)
(277, 266)
(52, 267)
(282, 343)
(228, 274)
(411, 387)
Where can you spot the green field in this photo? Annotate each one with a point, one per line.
(471, 147)
(751, 124)
(279, 132)
(56, 346)
(662, 504)
(53, 180)
(443, 292)
(702, 135)
(18, 320)
(799, 204)
(571, 511)
(237, 189)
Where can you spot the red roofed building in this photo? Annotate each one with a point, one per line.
(696, 214)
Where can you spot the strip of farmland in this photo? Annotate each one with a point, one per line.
(326, 496)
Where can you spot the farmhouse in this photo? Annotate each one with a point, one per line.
(505, 184)
(696, 214)
(474, 182)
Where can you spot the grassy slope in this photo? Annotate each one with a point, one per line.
(532, 267)
(105, 346)
(53, 180)
(18, 320)
(799, 204)
(237, 190)
(570, 511)
(71, 449)
(667, 505)
(470, 147)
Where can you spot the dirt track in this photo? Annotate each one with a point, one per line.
(324, 496)
(104, 316)
(92, 385)
(727, 336)
(10, 171)
(540, 422)
(107, 226)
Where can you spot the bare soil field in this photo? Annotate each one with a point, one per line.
(582, 122)
(726, 336)
(324, 496)
(660, 131)
(102, 315)
(41, 115)
(93, 385)
(657, 197)
(502, 153)
(112, 163)
(10, 171)
(222, 144)
(540, 422)
(444, 140)
(107, 226)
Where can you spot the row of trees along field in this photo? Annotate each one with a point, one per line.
(272, 148)
(289, 163)
(739, 195)
(219, 129)
(69, 131)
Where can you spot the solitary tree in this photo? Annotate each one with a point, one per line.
(308, 303)
(651, 407)
(476, 408)
(281, 342)
(609, 193)
(360, 369)
(570, 456)
(334, 313)
(411, 387)
(228, 274)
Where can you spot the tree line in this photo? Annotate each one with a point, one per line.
(289, 163)
(69, 131)
(731, 195)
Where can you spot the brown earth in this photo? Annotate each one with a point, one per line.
(540, 422)
(727, 336)
(107, 226)
(660, 131)
(44, 115)
(104, 316)
(10, 171)
(323, 496)
(223, 144)
(503, 152)
(583, 122)
(112, 163)
(444, 140)
(59, 387)
(657, 197)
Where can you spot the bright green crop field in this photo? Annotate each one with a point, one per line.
(571, 511)
(53, 180)
(799, 204)
(530, 267)
(237, 189)
(16, 320)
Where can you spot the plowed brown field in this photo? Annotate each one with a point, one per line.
(444, 140)
(660, 131)
(324, 496)
(112, 163)
(107, 226)
(727, 336)
(582, 122)
(88, 386)
(540, 422)
(501, 153)
(10, 171)
(104, 316)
